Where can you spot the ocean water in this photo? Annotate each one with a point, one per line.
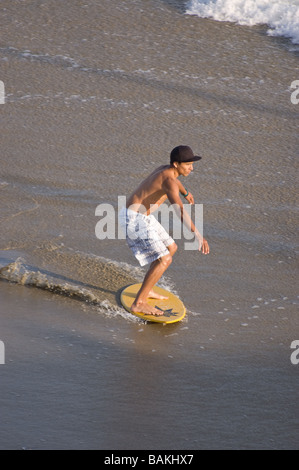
(97, 93)
(282, 16)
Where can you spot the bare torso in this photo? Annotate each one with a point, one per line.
(151, 193)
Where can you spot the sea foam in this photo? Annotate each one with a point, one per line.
(19, 273)
(281, 15)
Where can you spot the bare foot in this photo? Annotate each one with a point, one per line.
(154, 295)
(145, 308)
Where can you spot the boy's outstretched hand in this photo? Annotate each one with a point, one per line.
(205, 249)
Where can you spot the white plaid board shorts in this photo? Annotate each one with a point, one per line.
(145, 236)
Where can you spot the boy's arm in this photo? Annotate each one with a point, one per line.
(184, 191)
(172, 191)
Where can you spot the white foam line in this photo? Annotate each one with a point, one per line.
(19, 273)
(281, 15)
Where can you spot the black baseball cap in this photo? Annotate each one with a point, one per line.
(183, 154)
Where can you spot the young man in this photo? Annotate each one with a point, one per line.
(146, 237)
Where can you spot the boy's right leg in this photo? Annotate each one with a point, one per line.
(153, 275)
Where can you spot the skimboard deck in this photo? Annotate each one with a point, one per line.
(173, 308)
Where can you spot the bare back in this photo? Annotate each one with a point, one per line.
(151, 192)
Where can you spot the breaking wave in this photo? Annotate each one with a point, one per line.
(109, 274)
(22, 274)
(281, 15)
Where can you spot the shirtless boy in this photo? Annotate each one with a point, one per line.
(146, 237)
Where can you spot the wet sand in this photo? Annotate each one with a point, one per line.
(78, 380)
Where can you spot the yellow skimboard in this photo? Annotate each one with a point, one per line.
(173, 308)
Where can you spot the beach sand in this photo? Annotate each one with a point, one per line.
(76, 379)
